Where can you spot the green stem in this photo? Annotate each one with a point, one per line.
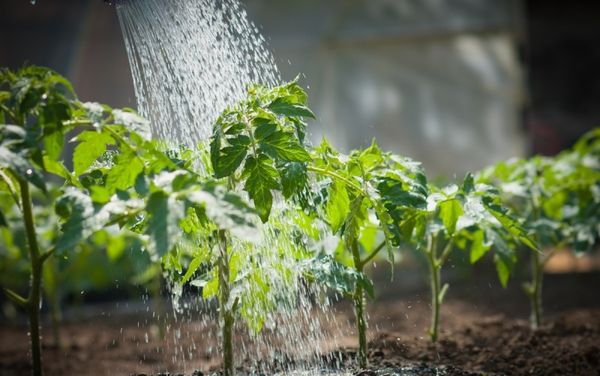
(535, 294)
(359, 310)
(34, 298)
(434, 274)
(537, 274)
(334, 175)
(225, 314)
(372, 255)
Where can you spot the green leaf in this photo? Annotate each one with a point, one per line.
(261, 177)
(163, 222)
(227, 210)
(228, 160)
(21, 167)
(504, 256)
(77, 209)
(284, 106)
(265, 129)
(449, 212)
(338, 205)
(123, 174)
(284, 146)
(194, 264)
(293, 178)
(469, 183)
(91, 146)
(338, 277)
(53, 144)
(478, 246)
(56, 168)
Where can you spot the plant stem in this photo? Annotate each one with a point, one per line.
(34, 299)
(434, 274)
(340, 178)
(225, 314)
(537, 274)
(535, 294)
(359, 310)
(372, 255)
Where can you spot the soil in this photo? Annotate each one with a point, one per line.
(484, 331)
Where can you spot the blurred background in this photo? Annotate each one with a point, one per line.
(457, 84)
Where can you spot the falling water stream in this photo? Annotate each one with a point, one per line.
(190, 60)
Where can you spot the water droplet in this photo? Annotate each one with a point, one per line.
(29, 171)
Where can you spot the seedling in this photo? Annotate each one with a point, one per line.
(258, 144)
(468, 217)
(34, 105)
(558, 199)
(362, 192)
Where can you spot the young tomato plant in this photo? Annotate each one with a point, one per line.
(34, 105)
(258, 145)
(95, 264)
(468, 217)
(361, 192)
(558, 199)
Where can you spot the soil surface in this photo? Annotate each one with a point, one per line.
(484, 331)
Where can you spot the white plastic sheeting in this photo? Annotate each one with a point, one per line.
(436, 80)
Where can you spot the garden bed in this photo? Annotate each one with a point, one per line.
(480, 335)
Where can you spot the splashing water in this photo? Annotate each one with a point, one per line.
(190, 60)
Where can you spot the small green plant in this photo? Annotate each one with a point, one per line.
(94, 264)
(359, 193)
(558, 199)
(35, 103)
(468, 217)
(121, 180)
(258, 145)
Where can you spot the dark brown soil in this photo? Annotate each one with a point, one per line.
(484, 331)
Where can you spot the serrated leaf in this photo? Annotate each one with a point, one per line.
(228, 160)
(261, 178)
(227, 210)
(338, 205)
(338, 277)
(57, 168)
(264, 129)
(91, 146)
(77, 209)
(284, 146)
(449, 212)
(284, 106)
(123, 174)
(163, 223)
(293, 178)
